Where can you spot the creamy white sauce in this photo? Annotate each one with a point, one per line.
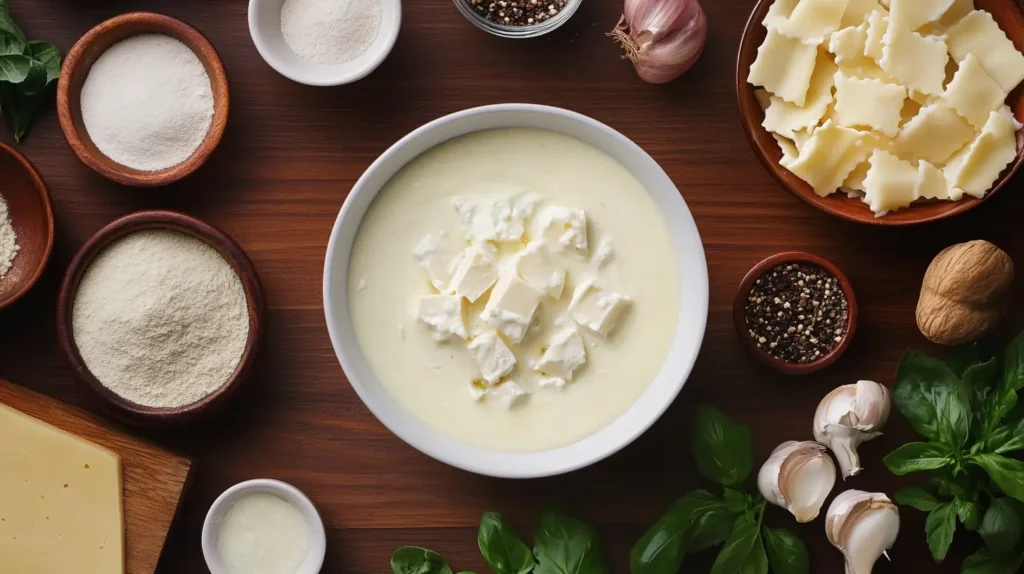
(263, 534)
(431, 379)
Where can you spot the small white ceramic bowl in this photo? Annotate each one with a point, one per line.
(639, 416)
(265, 29)
(317, 536)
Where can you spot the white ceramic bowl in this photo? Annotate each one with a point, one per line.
(265, 29)
(641, 414)
(317, 536)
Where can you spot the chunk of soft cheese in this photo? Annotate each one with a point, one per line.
(536, 267)
(498, 218)
(433, 253)
(511, 306)
(60, 501)
(444, 315)
(509, 393)
(492, 355)
(262, 534)
(552, 382)
(564, 354)
(597, 309)
(564, 228)
(474, 273)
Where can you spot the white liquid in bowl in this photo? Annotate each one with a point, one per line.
(262, 534)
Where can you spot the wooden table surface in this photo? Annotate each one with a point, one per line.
(289, 157)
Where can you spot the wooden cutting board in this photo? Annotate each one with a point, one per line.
(154, 480)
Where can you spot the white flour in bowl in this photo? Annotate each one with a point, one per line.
(330, 32)
(8, 240)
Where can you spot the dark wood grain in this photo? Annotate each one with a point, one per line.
(76, 69)
(128, 411)
(30, 213)
(1007, 13)
(287, 160)
(153, 480)
(739, 313)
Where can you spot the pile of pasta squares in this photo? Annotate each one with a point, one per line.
(891, 101)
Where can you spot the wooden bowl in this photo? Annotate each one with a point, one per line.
(28, 206)
(121, 408)
(76, 69)
(1009, 17)
(739, 313)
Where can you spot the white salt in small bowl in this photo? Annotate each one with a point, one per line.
(265, 29)
(316, 534)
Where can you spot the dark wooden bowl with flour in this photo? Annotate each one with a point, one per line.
(122, 408)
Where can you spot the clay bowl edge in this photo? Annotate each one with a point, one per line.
(121, 408)
(739, 313)
(79, 62)
(24, 281)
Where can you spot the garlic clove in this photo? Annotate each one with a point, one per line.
(849, 416)
(863, 526)
(798, 476)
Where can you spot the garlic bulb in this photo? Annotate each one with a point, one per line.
(863, 526)
(663, 38)
(798, 476)
(848, 416)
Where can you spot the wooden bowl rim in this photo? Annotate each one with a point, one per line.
(739, 312)
(235, 256)
(44, 195)
(745, 93)
(197, 42)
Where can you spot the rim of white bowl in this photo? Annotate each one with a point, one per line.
(317, 549)
(279, 57)
(630, 424)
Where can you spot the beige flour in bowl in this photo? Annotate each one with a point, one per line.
(160, 318)
(8, 240)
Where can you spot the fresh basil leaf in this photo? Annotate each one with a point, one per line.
(917, 456)
(722, 448)
(983, 562)
(1007, 473)
(786, 552)
(414, 560)
(1001, 527)
(916, 497)
(566, 545)
(15, 68)
(19, 102)
(736, 500)
(737, 547)
(1013, 364)
(49, 56)
(12, 39)
(921, 389)
(1007, 438)
(757, 561)
(694, 522)
(503, 551)
(968, 513)
(945, 483)
(939, 528)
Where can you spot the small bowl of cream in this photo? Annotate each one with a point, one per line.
(324, 42)
(263, 526)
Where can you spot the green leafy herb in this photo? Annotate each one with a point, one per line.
(1001, 528)
(722, 448)
(504, 552)
(917, 456)
(940, 526)
(984, 562)
(916, 497)
(414, 560)
(28, 70)
(969, 514)
(738, 547)
(786, 553)
(564, 545)
(1007, 438)
(1007, 473)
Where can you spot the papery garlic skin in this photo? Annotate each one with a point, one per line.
(663, 38)
(863, 526)
(798, 476)
(848, 416)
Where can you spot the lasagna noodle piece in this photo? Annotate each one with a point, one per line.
(869, 103)
(934, 134)
(931, 183)
(954, 14)
(784, 118)
(912, 14)
(857, 11)
(973, 93)
(855, 181)
(813, 20)
(891, 183)
(827, 159)
(917, 62)
(979, 34)
(848, 44)
(878, 23)
(784, 67)
(786, 146)
(976, 167)
(778, 13)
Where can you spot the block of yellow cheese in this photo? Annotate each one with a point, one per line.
(60, 501)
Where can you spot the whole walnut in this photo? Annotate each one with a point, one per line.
(964, 293)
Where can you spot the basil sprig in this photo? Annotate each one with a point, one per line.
(699, 520)
(968, 410)
(28, 70)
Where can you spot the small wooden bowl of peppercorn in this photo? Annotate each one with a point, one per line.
(523, 19)
(795, 312)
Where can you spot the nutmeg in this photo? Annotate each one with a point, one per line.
(964, 293)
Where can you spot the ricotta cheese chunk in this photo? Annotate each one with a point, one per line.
(473, 273)
(510, 393)
(597, 309)
(499, 218)
(564, 229)
(434, 254)
(552, 383)
(511, 307)
(537, 268)
(444, 315)
(563, 355)
(493, 356)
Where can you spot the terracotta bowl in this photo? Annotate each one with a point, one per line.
(76, 69)
(740, 303)
(1009, 17)
(121, 408)
(28, 206)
